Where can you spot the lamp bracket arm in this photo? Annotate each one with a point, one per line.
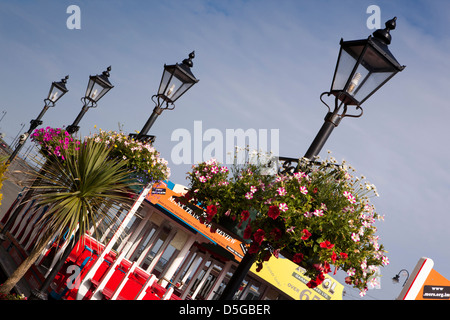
(49, 103)
(88, 103)
(338, 105)
(159, 104)
(328, 94)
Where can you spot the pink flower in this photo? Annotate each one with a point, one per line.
(303, 190)
(281, 191)
(318, 212)
(349, 197)
(290, 229)
(308, 214)
(283, 207)
(351, 272)
(214, 169)
(202, 179)
(253, 189)
(355, 237)
(249, 195)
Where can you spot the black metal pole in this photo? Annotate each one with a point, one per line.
(155, 114)
(331, 121)
(33, 125)
(238, 276)
(73, 128)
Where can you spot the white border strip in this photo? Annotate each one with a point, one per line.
(417, 279)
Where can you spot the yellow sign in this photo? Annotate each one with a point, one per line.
(288, 277)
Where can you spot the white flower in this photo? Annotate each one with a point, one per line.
(351, 272)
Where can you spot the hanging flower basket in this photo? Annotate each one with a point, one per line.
(321, 217)
(142, 159)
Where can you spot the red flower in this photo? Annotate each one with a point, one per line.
(259, 236)
(306, 234)
(254, 248)
(211, 211)
(298, 257)
(248, 231)
(312, 284)
(343, 255)
(275, 234)
(245, 215)
(326, 267)
(326, 244)
(259, 266)
(334, 257)
(274, 212)
(267, 256)
(320, 278)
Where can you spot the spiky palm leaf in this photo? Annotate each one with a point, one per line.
(80, 187)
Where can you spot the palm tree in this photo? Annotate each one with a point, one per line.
(79, 185)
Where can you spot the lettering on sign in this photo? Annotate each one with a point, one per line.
(436, 292)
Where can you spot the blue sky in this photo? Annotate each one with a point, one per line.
(261, 65)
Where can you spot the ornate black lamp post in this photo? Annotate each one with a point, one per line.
(97, 87)
(57, 90)
(175, 81)
(363, 67)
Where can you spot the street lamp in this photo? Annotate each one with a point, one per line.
(363, 67)
(98, 86)
(396, 278)
(57, 90)
(175, 81)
